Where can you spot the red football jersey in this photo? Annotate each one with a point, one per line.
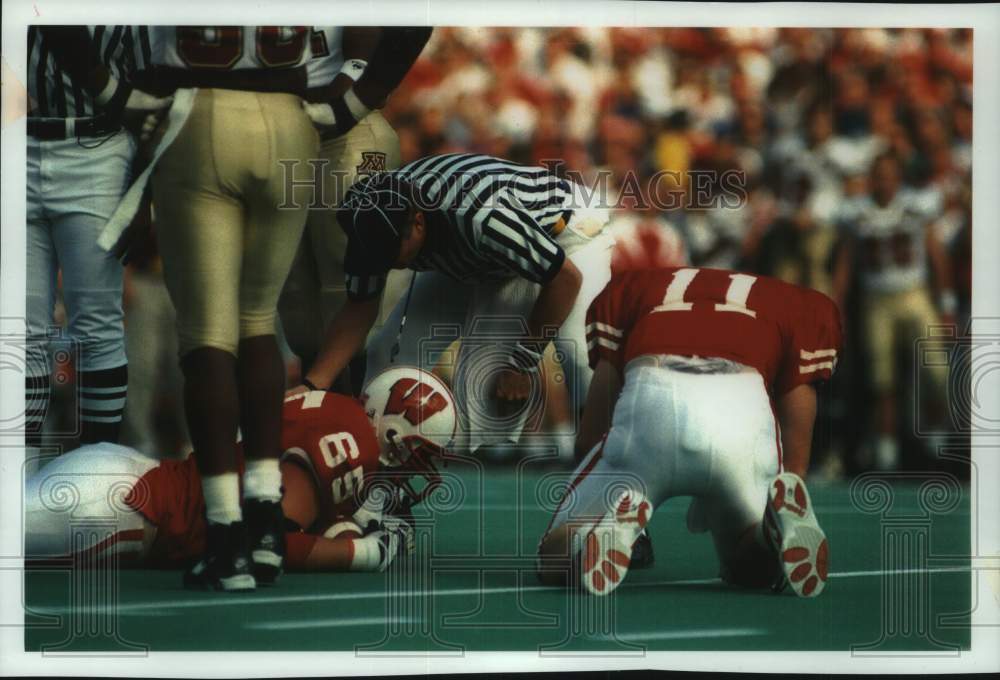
(332, 437)
(790, 334)
(327, 433)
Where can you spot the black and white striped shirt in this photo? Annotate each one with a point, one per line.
(52, 92)
(487, 219)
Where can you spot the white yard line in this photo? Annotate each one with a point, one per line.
(683, 634)
(325, 623)
(223, 600)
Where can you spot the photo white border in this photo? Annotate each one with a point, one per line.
(984, 19)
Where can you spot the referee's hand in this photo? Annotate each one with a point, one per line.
(143, 113)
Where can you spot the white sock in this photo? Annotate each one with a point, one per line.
(262, 480)
(222, 498)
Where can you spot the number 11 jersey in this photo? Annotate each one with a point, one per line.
(791, 335)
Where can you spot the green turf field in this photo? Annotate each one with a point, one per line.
(471, 587)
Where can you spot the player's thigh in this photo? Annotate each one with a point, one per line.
(879, 317)
(92, 289)
(42, 268)
(637, 454)
(276, 215)
(922, 315)
(200, 237)
(371, 146)
(745, 460)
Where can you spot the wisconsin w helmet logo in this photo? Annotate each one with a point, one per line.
(415, 401)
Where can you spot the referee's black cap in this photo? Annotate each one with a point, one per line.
(374, 214)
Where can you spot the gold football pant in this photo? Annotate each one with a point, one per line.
(891, 321)
(315, 290)
(227, 231)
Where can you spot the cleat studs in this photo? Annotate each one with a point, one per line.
(618, 557)
(823, 560)
(800, 572)
(795, 554)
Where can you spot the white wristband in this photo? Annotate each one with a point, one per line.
(353, 68)
(354, 105)
(108, 92)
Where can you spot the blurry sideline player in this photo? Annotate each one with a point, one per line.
(718, 403)
(79, 160)
(334, 455)
(228, 232)
(315, 289)
(889, 241)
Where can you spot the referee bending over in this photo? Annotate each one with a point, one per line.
(495, 243)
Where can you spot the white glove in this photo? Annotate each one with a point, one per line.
(377, 549)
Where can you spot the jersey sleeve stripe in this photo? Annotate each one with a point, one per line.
(812, 368)
(604, 328)
(817, 354)
(598, 341)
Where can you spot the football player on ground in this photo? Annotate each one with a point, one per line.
(342, 460)
(315, 289)
(510, 255)
(704, 386)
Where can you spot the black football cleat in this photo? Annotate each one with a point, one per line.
(642, 552)
(266, 527)
(225, 564)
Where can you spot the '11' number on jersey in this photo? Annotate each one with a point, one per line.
(736, 294)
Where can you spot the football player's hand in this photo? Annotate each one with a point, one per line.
(513, 385)
(393, 539)
(330, 119)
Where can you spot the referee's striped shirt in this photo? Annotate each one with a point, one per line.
(51, 91)
(487, 219)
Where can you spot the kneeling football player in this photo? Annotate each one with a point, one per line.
(704, 386)
(348, 473)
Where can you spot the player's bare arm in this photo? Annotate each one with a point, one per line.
(395, 53)
(358, 44)
(797, 415)
(843, 271)
(941, 268)
(553, 305)
(605, 387)
(345, 336)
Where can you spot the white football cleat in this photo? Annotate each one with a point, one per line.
(791, 527)
(606, 548)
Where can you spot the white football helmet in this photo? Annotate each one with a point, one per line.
(414, 416)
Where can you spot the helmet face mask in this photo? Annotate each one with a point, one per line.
(414, 416)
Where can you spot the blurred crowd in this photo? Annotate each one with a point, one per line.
(794, 117)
